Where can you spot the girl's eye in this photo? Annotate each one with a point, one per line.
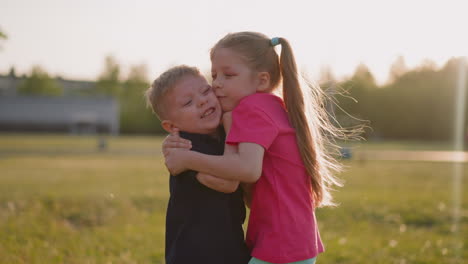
(207, 91)
(188, 103)
(213, 76)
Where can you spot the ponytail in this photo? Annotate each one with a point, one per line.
(294, 101)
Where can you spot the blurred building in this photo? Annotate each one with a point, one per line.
(68, 113)
(10, 83)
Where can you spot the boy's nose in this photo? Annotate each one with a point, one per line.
(202, 101)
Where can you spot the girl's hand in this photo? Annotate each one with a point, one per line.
(172, 146)
(227, 121)
(173, 140)
(175, 160)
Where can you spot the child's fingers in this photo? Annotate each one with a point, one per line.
(167, 151)
(175, 137)
(175, 132)
(185, 144)
(171, 146)
(178, 142)
(173, 140)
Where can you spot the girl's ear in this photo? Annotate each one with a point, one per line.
(168, 125)
(264, 82)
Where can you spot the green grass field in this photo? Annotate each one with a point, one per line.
(63, 201)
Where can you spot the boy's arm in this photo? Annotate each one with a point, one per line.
(217, 184)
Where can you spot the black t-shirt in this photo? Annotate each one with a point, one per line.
(203, 225)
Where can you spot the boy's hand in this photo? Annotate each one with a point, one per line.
(227, 121)
(173, 140)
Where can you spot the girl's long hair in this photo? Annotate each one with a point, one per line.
(304, 104)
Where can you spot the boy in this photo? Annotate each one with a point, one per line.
(205, 214)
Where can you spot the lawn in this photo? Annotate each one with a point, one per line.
(64, 201)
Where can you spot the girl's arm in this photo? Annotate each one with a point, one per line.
(244, 166)
(242, 162)
(173, 141)
(221, 185)
(216, 183)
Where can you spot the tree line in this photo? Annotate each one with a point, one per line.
(414, 104)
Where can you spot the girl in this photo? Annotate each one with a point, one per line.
(270, 143)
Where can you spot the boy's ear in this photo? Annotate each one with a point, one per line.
(167, 125)
(264, 82)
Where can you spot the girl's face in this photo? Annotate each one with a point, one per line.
(232, 78)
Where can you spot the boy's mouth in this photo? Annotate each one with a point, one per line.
(208, 112)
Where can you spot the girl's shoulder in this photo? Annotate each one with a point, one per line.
(266, 106)
(261, 100)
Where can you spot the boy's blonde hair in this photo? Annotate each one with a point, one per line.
(158, 90)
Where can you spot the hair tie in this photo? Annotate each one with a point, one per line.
(275, 41)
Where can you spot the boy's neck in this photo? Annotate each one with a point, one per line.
(217, 133)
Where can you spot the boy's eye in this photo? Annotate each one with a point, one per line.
(213, 76)
(188, 103)
(207, 90)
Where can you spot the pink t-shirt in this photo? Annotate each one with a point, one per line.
(282, 226)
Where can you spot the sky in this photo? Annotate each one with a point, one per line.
(72, 38)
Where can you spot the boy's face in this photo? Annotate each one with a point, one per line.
(192, 106)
